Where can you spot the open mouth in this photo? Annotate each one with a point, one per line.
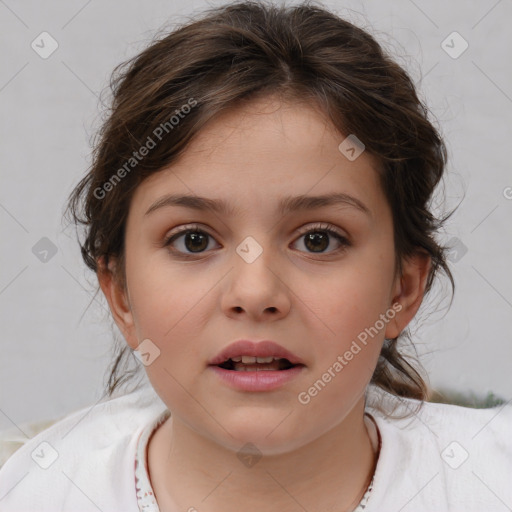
(253, 364)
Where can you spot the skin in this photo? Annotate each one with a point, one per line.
(317, 456)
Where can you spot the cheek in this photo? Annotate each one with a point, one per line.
(169, 310)
(353, 298)
(351, 304)
(346, 354)
(169, 305)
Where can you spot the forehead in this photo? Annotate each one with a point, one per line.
(270, 126)
(261, 153)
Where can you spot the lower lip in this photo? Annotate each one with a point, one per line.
(265, 380)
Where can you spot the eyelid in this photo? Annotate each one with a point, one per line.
(194, 226)
(321, 226)
(302, 230)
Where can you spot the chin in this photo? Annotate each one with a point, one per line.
(262, 433)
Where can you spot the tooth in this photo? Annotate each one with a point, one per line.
(248, 359)
(264, 359)
(236, 359)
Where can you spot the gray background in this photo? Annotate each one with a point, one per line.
(57, 338)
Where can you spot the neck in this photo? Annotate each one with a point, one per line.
(332, 472)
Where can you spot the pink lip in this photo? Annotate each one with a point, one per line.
(261, 349)
(265, 380)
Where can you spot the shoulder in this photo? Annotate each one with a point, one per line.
(412, 418)
(444, 457)
(83, 462)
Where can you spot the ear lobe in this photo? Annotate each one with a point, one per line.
(117, 300)
(409, 291)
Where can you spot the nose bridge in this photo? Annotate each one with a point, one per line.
(255, 284)
(253, 259)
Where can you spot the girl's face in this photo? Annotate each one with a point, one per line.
(255, 274)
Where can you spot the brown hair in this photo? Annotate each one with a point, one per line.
(233, 54)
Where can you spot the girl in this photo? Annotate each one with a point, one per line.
(257, 214)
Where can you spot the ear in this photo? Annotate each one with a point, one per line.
(408, 292)
(118, 300)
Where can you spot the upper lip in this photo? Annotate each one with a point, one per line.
(264, 348)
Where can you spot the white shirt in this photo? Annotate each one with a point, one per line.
(444, 458)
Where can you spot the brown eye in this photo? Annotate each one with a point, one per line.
(189, 241)
(318, 239)
(196, 242)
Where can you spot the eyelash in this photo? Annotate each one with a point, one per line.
(321, 227)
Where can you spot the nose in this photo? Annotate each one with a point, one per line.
(257, 289)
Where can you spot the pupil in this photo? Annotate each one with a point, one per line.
(318, 240)
(195, 239)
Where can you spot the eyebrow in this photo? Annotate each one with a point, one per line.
(286, 205)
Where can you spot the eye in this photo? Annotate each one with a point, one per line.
(189, 240)
(318, 238)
